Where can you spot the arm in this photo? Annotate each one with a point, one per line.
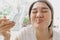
(5, 26)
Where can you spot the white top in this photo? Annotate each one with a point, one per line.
(27, 33)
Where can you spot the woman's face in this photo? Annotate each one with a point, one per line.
(40, 15)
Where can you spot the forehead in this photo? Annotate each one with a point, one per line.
(40, 5)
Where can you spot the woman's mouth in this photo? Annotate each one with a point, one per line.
(39, 21)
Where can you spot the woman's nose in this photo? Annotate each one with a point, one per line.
(39, 15)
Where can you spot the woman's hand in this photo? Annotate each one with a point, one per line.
(5, 24)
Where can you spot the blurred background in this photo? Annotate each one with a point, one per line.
(17, 11)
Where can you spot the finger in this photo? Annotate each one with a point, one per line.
(0, 21)
(7, 27)
(7, 23)
(3, 20)
(5, 17)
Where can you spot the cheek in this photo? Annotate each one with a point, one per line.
(32, 17)
(47, 18)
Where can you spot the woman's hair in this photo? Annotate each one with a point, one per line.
(48, 4)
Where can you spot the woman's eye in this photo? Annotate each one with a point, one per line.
(44, 11)
(34, 11)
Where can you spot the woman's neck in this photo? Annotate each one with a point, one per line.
(42, 34)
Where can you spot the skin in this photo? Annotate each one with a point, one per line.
(40, 19)
(5, 26)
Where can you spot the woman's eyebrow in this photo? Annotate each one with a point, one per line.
(34, 8)
(41, 8)
(44, 8)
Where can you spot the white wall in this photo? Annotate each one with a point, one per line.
(56, 6)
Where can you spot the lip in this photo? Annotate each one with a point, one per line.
(39, 21)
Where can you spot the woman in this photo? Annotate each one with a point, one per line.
(41, 18)
(5, 26)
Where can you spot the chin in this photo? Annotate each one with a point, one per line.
(37, 25)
